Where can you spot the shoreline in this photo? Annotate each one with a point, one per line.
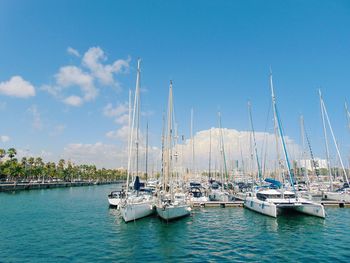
(49, 185)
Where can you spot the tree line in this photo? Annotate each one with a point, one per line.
(35, 169)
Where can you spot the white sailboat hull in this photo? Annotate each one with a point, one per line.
(341, 196)
(266, 208)
(312, 209)
(133, 211)
(173, 212)
(275, 209)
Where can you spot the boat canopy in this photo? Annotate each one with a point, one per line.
(274, 182)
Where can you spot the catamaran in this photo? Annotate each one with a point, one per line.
(136, 204)
(273, 202)
(172, 202)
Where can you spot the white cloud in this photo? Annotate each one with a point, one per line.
(108, 156)
(73, 100)
(121, 133)
(116, 111)
(52, 90)
(94, 71)
(93, 60)
(73, 52)
(4, 138)
(17, 87)
(102, 155)
(235, 142)
(36, 122)
(72, 76)
(120, 113)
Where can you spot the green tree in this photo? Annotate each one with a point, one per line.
(11, 153)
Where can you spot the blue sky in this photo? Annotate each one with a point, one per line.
(218, 54)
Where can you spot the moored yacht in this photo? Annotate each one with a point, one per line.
(273, 202)
(170, 209)
(137, 206)
(115, 197)
(172, 202)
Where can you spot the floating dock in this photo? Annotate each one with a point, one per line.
(218, 204)
(326, 203)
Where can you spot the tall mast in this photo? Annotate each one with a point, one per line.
(135, 122)
(276, 131)
(335, 141)
(176, 154)
(146, 152)
(169, 137)
(254, 141)
(138, 116)
(222, 148)
(209, 152)
(192, 146)
(279, 125)
(326, 141)
(347, 114)
(302, 156)
(129, 120)
(163, 134)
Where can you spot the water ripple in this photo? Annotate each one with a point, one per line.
(76, 225)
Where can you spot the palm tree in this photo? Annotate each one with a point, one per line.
(2, 153)
(39, 167)
(11, 153)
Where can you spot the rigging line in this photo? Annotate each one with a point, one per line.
(265, 141)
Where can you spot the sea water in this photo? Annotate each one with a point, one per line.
(77, 225)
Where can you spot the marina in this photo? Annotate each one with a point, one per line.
(174, 131)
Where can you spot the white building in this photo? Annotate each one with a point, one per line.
(307, 163)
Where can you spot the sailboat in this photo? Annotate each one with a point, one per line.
(172, 202)
(342, 194)
(137, 204)
(220, 194)
(273, 202)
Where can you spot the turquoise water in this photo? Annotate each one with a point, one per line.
(76, 225)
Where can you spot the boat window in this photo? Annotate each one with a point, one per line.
(289, 196)
(261, 197)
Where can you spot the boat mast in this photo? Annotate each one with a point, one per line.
(326, 141)
(169, 137)
(334, 140)
(138, 118)
(254, 142)
(278, 166)
(129, 120)
(162, 164)
(209, 152)
(176, 154)
(222, 148)
(302, 157)
(192, 146)
(146, 168)
(290, 173)
(136, 112)
(347, 114)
